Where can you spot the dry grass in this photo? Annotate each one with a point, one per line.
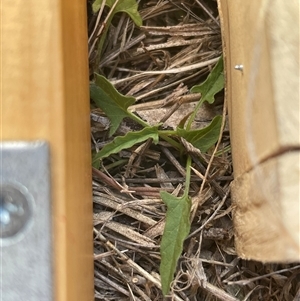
(158, 64)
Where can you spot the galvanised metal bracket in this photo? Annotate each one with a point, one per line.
(25, 222)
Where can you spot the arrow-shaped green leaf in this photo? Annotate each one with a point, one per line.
(127, 6)
(113, 103)
(212, 85)
(127, 141)
(205, 138)
(176, 230)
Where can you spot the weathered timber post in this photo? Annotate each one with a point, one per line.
(261, 48)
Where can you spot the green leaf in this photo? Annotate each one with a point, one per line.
(127, 141)
(110, 101)
(127, 6)
(212, 85)
(176, 230)
(205, 138)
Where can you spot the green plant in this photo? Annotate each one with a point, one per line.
(116, 106)
(116, 6)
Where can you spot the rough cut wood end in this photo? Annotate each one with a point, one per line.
(263, 107)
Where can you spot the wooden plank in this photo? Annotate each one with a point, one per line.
(44, 95)
(263, 107)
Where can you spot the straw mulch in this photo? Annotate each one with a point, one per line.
(183, 36)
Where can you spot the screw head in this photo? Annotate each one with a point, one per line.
(15, 210)
(239, 67)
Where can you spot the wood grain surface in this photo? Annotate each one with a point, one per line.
(264, 110)
(44, 95)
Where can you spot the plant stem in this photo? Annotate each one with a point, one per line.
(106, 25)
(138, 120)
(192, 117)
(167, 132)
(170, 140)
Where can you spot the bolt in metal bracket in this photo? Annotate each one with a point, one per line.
(25, 222)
